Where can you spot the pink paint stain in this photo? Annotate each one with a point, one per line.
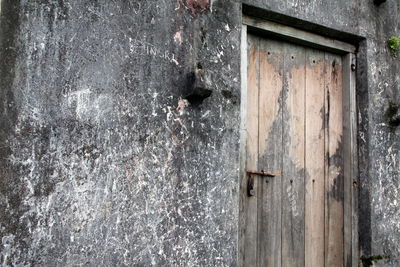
(178, 38)
(197, 6)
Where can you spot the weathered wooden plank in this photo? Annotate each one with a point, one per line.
(293, 156)
(250, 246)
(354, 162)
(314, 160)
(347, 164)
(350, 164)
(326, 160)
(298, 35)
(270, 149)
(334, 161)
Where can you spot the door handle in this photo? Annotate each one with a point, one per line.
(250, 179)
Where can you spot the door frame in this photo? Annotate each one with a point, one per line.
(269, 28)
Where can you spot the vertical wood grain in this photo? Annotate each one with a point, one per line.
(334, 158)
(314, 160)
(354, 181)
(250, 244)
(350, 164)
(347, 164)
(270, 152)
(293, 157)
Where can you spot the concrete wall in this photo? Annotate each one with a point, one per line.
(105, 162)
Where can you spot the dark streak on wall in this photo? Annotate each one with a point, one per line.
(10, 190)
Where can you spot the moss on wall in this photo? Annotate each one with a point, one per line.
(394, 45)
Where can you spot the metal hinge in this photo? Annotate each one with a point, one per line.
(250, 181)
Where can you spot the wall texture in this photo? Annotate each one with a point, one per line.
(111, 152)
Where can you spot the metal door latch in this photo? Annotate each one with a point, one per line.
(250, 180)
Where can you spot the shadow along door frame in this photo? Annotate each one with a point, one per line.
(347, 51)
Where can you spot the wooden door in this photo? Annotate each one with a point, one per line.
(294, 128)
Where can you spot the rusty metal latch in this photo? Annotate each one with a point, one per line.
(250, 181)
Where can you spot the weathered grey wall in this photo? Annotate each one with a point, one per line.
(103, 162)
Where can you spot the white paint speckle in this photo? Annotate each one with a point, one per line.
(227, 28)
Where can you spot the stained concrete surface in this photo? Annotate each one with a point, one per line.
(105, 163)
